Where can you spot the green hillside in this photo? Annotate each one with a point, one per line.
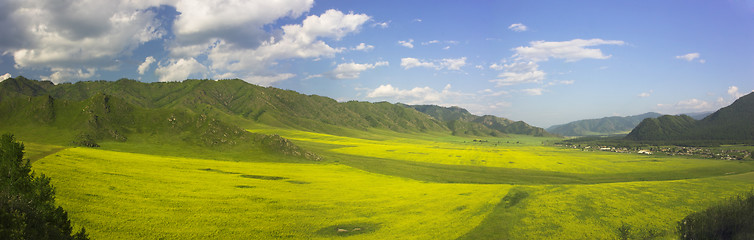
(732, 123)
(235, 102)
(602, 126)
(461, 122)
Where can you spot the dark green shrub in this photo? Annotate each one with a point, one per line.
(27, 203)
(732, 219)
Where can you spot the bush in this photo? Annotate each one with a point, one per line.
(27, 203)
(732, 219)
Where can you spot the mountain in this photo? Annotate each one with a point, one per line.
(461, 122)
(212, 113)
(732, 123)
(602, 126)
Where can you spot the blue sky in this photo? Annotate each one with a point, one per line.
(543, 62)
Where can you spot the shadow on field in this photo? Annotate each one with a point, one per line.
(348, 229)
(498, 224)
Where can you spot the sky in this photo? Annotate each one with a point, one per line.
(542, 62)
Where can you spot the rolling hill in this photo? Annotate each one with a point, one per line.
(209, 113)
(732, 123)
(461, 122)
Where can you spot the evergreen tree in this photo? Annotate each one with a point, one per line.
(27, 203)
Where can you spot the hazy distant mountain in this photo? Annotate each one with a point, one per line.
(734, 122)
(602, 126)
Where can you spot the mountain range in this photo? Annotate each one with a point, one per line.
(609, 125)
(602, 126)
(214, 113)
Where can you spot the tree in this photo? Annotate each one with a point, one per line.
(27, 203)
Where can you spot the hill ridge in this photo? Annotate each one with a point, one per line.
(734, 122)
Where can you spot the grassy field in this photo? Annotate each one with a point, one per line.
(386, 185)
(119, 195)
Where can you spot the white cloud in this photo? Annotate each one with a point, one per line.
(407, 63)
(179, 70)
(46, 34)
(496, 66)
(268, 80)
(646, 94)
(453, 63)
(202, 22)
(381, 24)
(70, 38)
(431, 42)
(144, 67)
(690, 105)
(693, 103)
(525, 68)
(571, 51)
(415, 95)
(446, 48)
(690, 57)
(519, 73)
(353, 70)
(60, 75)
(297, 41)
(363, 47)
(4, 76)
(517, 27)
(445, 63)
(533, 91)
(408, 44)
(733, 92)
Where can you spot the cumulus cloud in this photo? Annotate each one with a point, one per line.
(4, 76)
(518, 27)
(408, 44)
(381, 24)
(646, 94)
(496, 66)
(201, 22)
(70, 36)
(525, 67)
(363, 47)
(144, 67)
(519, 73)
(50, 34)
(453, 63)
(445, 63)
(179, 70)
(60, 75)
(408, 63)
(694, 104)
(417, 95)
(571, 51)
(733, 92)
(268, 80)
(691, 57)
(353, 70)
(298, 41)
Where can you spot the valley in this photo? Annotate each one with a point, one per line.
(387, 186)
(225, 159)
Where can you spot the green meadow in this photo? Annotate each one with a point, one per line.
(382, 185)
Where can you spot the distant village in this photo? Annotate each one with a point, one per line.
(724, 154)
